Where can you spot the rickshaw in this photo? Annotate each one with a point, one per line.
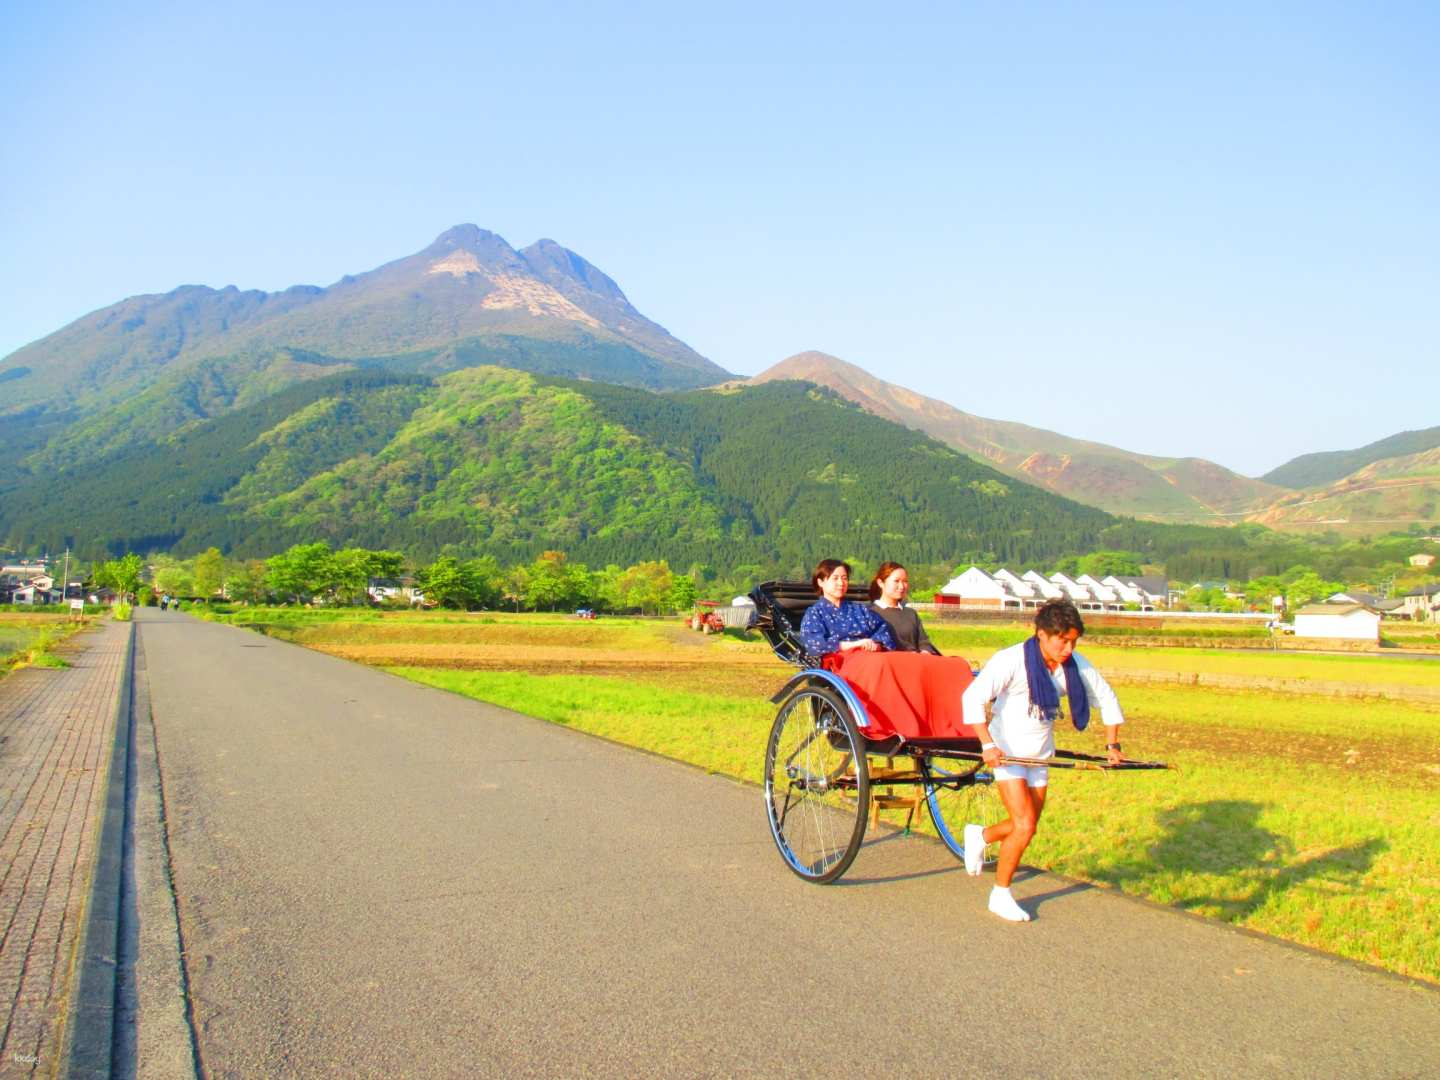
(827, 780)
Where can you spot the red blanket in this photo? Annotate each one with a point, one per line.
(913, 694)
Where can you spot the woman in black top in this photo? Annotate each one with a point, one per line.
(888, 590)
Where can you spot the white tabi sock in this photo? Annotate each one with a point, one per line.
(974, 841)
(1004, 905)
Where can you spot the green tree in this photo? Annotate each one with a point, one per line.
(517, 584)
(488, 581)
(122, 575)
(605, 589)
(302, 571)
(1260, 592)
(646, 585)
(547, 582)
(1307, 589)
(246, 583)
(209, 573)
(683, 593)
(172, 576)
(1102, 564)
(354, 567)
(448, 582)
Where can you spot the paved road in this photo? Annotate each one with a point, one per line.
(379, 879)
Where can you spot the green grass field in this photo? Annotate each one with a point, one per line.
(29, 638)
(1301, 815)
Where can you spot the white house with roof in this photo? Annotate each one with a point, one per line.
(1006, 589)
(1422, 603)
(1019, 587)
(1105, 596)
(1154, 589)
(1074, 590)
(25, 568)
(976, 588)
(1341, 622)
(1127, 594)
(1392, 606)
(1043, 586)
(394, 590)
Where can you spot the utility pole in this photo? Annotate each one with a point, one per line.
(65, 577)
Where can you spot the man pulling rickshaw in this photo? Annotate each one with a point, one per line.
(858, 697)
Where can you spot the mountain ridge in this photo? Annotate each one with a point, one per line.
(468, 285)
(1106, 477)
(1328, 466)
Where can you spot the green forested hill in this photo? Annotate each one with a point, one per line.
(1314, 470)
(498, 461)
(487, 460)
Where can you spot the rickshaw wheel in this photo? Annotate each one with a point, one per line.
(817, 784)
(959, 794)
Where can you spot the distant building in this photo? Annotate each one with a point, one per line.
(1422, 560)
(1342, 622)
(24, 568)
(1148, 592)
(1393, 606)
(977, 589)
(1044, 587)
(1002, 590)
(1422, 603)
(34, 594)
(394, 591)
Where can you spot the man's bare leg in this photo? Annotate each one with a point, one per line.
(1024, 805)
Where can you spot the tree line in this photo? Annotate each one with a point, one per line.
(316, 573)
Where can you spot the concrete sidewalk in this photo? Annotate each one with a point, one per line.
(56, 736)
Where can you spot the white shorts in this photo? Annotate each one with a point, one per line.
(1033, 775)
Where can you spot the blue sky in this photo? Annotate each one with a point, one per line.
(1207, 230)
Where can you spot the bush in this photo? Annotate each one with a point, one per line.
(121, 611)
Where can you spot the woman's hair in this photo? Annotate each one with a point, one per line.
(824, 568)
(886, 569)
(1058, 616)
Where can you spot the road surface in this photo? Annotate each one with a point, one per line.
(380, 879)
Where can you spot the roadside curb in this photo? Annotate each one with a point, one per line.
(90, 1023)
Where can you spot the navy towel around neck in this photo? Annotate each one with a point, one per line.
(1043, 695)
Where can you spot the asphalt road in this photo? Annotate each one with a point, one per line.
(380, 879)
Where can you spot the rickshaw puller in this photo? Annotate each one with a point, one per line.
(1026, 683)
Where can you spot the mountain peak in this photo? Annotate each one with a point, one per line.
(804, 365)
(556, 264)
(470, 237)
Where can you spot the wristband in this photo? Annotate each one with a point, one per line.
(986, 746)
(1112, 746)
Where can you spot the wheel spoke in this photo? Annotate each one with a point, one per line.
(958, 795)
(814, 785)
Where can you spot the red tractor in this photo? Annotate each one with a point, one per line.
(705, 619)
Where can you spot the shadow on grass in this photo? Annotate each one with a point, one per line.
(1223, 838)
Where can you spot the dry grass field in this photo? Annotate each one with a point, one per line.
(1306, 802)
(30, 637)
